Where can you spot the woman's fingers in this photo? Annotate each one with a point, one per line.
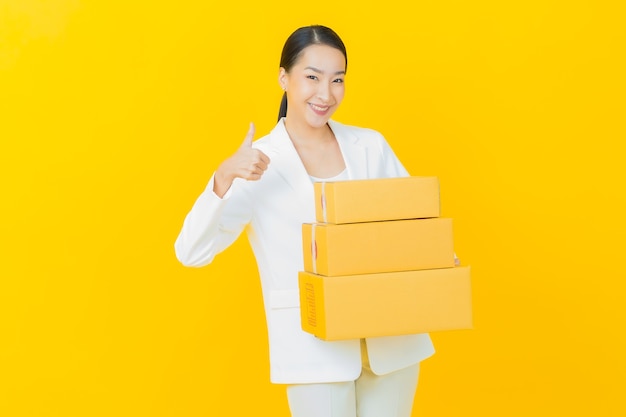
(256, 164)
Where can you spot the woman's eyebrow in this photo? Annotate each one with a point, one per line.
(319, 71)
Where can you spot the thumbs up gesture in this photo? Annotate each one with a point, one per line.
(247, 163)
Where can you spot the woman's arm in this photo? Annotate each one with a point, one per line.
(221, 212)
(212, 225)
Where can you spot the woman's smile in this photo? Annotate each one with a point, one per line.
(319, 109)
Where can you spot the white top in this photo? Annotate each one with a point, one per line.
(342, 176)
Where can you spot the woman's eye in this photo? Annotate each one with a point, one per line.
(312, 77)
(338, 80)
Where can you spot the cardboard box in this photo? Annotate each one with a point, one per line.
(386, 304)
(366, 248)
(377, 199)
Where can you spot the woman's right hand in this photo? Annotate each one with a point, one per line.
(247, 163)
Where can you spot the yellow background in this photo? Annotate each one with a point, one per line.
(113, 115)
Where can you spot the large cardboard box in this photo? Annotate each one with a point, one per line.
(385, 304)
(377, 199)
(365, 248)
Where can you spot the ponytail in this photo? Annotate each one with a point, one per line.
(283, 107)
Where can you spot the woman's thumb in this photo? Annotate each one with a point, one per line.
(247, 142)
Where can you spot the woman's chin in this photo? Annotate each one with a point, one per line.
(317, 121)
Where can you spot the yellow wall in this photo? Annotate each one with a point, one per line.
(113, 115)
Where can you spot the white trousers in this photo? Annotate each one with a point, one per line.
(371, 395)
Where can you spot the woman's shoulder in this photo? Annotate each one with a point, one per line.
(358, 131)
(362, 136)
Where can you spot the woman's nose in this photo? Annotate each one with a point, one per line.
(323, 91)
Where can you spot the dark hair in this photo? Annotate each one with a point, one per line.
(298, 41)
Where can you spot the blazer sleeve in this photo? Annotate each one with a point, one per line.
(213, 224)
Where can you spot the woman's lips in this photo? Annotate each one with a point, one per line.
(320, 110)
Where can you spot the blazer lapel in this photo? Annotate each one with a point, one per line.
(285, 160)
(354, 155)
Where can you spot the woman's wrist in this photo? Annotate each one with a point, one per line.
(221, 181)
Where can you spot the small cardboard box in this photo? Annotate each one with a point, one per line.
(376, 199)
(367, 248)
(386, 304)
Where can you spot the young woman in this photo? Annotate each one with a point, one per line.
(266, 187)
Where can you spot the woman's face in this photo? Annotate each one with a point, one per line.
(315, 85)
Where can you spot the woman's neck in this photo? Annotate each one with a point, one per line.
(318, 150)
(308, 136)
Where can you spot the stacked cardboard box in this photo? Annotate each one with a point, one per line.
(380, 262)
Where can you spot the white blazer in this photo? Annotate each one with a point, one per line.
(272, 211)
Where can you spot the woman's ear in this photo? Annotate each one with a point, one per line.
(282, 79)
